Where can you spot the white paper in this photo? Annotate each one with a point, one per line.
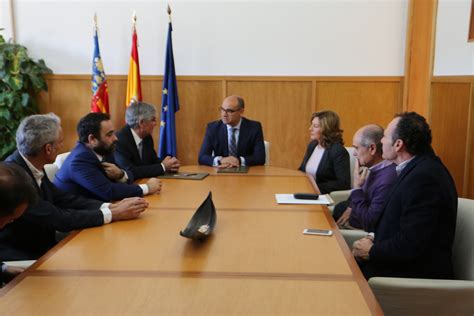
(290, 199)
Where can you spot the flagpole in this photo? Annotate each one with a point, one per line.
(169, 12)
(134, 21)
(96, 29)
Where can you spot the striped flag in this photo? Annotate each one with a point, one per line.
(100, 95)
(169, 103)
(134, 87)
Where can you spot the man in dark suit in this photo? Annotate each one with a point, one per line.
(90, 168)
(39, 139)
(415, 233)
(135, 149)
(234, 140)
(16, 193)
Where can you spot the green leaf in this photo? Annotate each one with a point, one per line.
(16, 82)
(4, 113)
(21, 78)
(25, 98)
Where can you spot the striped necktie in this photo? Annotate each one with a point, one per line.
(233, 144)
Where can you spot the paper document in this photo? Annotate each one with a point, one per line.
(323, 199)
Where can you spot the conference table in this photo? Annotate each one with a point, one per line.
(256, 262)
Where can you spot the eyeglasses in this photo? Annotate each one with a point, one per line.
(228, 111)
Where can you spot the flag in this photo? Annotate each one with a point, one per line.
(134, 87)
(169, 104)
(100, 95)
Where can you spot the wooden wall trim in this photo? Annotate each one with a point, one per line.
(240, 78)
(469, 140)
(419, 56)
(458, 79)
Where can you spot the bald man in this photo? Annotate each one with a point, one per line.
(234, 140)
(373, 179)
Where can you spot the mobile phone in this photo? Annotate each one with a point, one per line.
(306, 196)
(321, 232)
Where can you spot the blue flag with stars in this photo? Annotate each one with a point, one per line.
(169, 104)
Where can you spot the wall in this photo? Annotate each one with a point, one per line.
(298, 38)
(274, 53)
(453, 54)
(452, 124)
(283, 105)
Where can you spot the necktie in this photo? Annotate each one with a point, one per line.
(140, 149)
(233, 144)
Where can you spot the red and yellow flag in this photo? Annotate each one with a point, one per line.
(134, 87)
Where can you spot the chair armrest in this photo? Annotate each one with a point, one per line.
(404, 296)
(339, 196)
(351, 235)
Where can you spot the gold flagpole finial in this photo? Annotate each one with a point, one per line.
(95, 20)
(169, 12)
(134, 17)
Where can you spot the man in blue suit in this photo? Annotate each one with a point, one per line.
(415, 232)
(234, 140)
(39, 138)
(90, 168)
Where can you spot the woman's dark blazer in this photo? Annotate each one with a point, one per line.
(334, 172)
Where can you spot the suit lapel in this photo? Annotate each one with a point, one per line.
(400, 178)
(243, 137)
(308, 153)
(18, 159)
(324, 160)
(223, 140)
(131, 142)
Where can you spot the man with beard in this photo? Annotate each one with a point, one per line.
(39, 139)
(90, 169)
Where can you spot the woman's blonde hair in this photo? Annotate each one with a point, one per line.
(331, 132)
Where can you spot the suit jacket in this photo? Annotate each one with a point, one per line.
(127, 156)
(31, 235)
(250, 144)
(334, 170)
(83, 174)
(415, 233)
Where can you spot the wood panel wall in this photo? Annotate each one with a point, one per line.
(452, 127)
(284, 106)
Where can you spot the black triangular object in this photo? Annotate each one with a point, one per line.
(203, 221)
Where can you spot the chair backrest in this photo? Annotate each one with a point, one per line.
(60, 159)
(352, 160)
(267, 152)
(50, 170)
(463, 246)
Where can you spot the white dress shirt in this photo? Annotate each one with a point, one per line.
(313, 161)
(217, 159)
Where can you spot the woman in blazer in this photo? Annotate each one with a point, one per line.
(326, 159)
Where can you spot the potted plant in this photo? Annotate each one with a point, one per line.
(21, 79)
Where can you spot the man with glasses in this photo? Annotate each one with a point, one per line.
(234, 140)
